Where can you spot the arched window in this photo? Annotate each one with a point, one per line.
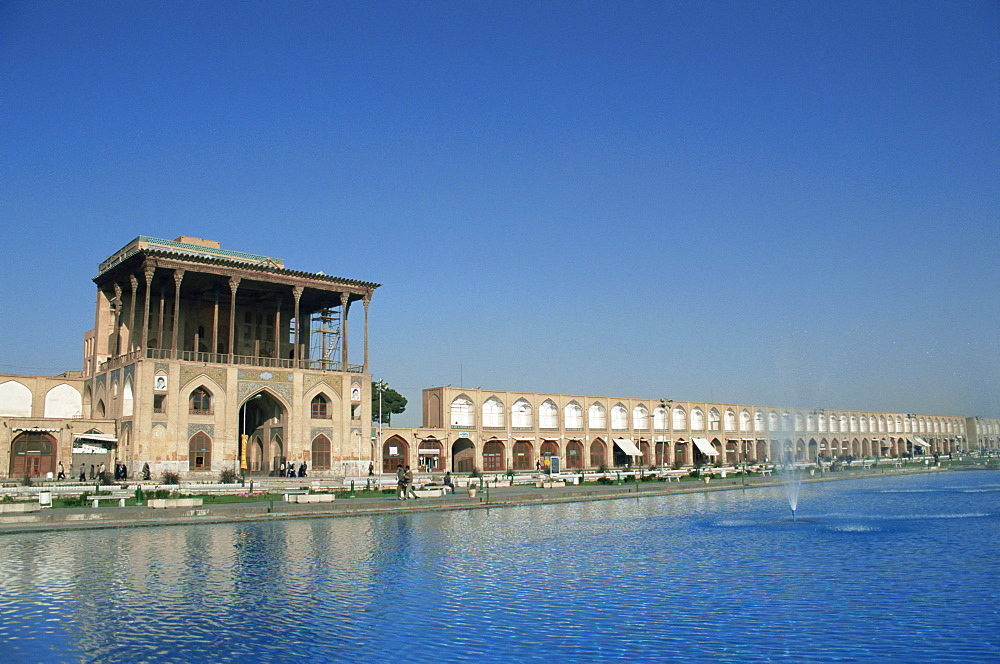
(640, 417)
(619, 417)
(200, 451)
(200, 402)
(573, 416)
(697, 419)
(520, 414)
(493, 412)
(786, 421)
(680, 418)
(800, 422)
(320, 410)
(744, 420)
(462, 412)
(660, 418)
(772, 421)
(758, 421)
(598, 416)
(321, 453)
(730, 420)
(548, 415)
(713, 420)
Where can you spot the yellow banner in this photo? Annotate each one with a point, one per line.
(243, 451)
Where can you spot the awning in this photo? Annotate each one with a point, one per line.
(705, 447)
(37, 429)
(100, 437)
(627, 446)
(521, 438)
(920, 442)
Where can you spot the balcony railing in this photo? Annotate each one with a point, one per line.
(224, 358)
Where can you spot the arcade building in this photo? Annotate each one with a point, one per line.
(203, 359)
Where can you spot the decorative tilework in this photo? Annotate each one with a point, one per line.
(207, 428)
(128, 372)
(216, 374)
(265, 375)
(161, 367)
(312, 380)
(101, 380)
(114, 375)
(324, 431)
(245, 389)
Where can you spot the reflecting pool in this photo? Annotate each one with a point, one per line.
(877, 569)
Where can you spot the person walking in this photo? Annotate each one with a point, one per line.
(408, 477)
(400, 483)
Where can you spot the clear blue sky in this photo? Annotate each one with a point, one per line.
(783, 203)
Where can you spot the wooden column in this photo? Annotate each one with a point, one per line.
(277, 332)
(117, 349)
(144, 337)
(345, 303)
(297, 295)
(215, 327)
(178, 277)
(234, 284)
(132, 310)
(367, 301)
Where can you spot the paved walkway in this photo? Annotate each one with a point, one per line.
(502, 496)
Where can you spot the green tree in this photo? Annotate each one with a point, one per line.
(393, 403)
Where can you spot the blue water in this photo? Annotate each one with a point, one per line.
(888, 568)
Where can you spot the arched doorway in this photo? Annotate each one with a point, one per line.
(429, 454)
(395, 452)
(549, 454)
(681, 454)
(574, 454)
(32, 454)
(277, 455)
(598, 451)
(523, 458)
(493, 455)
(463, 456)
(644, 448)
(261, 424)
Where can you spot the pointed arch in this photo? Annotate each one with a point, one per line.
(680, 422)
(521, 414)
(15, 399)
(548, 415)
(597, 416)
(200, 451)
(640, 418)
(573, 416)
(463, 413)
(493, 412)
(321, 453)
(619, 417)
(63, 400)
(319, 409)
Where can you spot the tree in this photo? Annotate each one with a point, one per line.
(392, 402)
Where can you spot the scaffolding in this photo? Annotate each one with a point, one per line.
(326, 333)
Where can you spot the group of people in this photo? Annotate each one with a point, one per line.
(288, 470)
(404, 484)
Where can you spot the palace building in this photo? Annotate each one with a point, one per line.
(203, 359)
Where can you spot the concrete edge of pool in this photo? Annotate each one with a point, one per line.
(499, 497)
